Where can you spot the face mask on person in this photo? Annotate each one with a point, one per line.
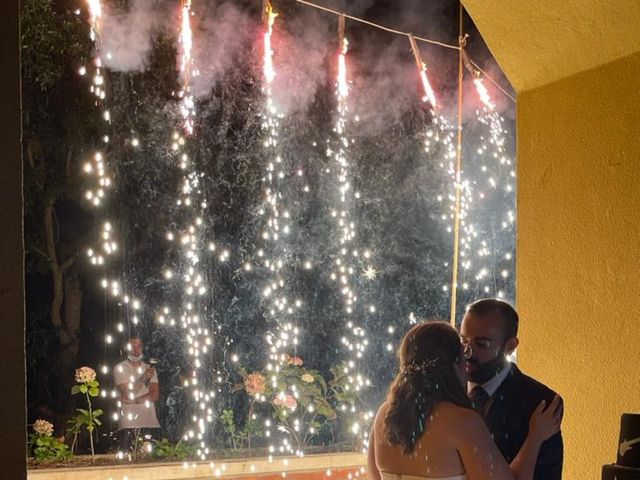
(133, 358)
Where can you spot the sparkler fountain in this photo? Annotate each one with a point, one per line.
(98, 169)
(352, 262)
(487, 263)
(349, 261)
(193, 317)
(485, 185)
(276, 259)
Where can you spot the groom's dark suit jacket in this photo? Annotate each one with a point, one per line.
(508, 419)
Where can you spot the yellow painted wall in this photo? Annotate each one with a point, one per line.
(578, 252)
(539, 42)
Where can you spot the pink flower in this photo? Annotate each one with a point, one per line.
(255, 384)
(297, 361)
(287, 401)
(85, 375)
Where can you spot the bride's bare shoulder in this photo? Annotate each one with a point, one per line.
(451, 408)
(454, 416)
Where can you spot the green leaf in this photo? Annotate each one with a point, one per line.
(75, 389)
(94, 392)
(73, 428)
(97, 412)
(90, 427)
(97, 421)
(312, 389)
(338, 373)
(83, 388)
(323, 408)
(322, 382)
(93, 384)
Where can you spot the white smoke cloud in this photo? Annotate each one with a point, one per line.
(127, 37)
(381, 65)
(219, 35)
(300, 54)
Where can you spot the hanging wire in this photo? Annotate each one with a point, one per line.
(381, 27)
(497, 85)
(407, 34)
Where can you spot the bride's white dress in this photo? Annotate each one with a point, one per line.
(403, 476)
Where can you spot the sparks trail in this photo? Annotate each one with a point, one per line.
(278, 263)
(108, 246)
(349, 262)
(187, 108)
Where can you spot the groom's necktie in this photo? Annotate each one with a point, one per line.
(479, 397)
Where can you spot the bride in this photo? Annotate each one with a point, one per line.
(426, 429)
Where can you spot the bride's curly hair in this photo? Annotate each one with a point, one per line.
(427, 356)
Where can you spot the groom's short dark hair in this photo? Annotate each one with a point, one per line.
(508, 314)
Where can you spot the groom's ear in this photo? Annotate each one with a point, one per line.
(511, 345)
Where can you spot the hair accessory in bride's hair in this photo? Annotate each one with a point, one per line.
(421, 367)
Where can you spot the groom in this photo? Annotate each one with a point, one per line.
(501, 393)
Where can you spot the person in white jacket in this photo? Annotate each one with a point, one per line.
(137, 384)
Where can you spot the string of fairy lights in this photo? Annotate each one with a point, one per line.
(282, 306)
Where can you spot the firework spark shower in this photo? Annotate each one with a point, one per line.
(279, 200)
